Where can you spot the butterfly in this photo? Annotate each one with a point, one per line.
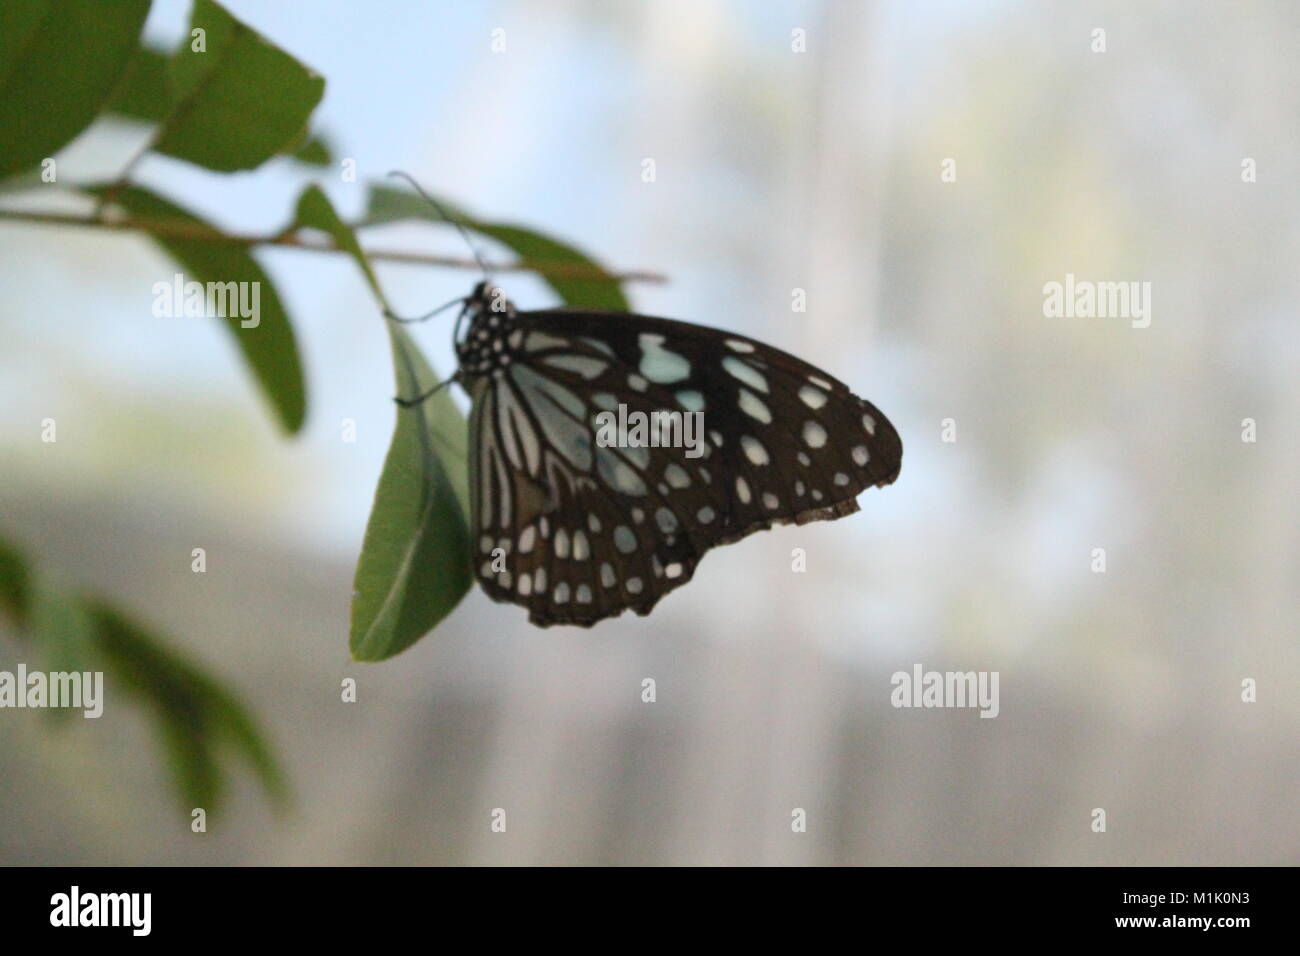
(578, 515)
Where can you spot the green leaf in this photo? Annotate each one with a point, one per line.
(197, 716)
(239, 101)
(414, 564)
(15, 584)
(446, 423)
(315, 211)
(415, 561)
(21, 182)
(199, 719)
(269, 347)
(63, 628)
(65, 633)
(145, 92)
(314, 152)
(601, 292)
(59, 63)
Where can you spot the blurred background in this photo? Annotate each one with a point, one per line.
(776, 170)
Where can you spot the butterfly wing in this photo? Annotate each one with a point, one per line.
(578, 531)
(815, 446)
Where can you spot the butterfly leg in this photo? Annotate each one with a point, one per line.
(425, 396)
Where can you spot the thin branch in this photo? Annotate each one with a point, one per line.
(124, 178)
(175, 229)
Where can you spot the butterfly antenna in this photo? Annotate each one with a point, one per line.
(454, 220)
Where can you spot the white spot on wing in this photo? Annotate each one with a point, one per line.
(658, 364)
(666, 520)
(676, 476)
(624, 539)
(814, 398)
(814, 435)
(753, 406)
(618, 474)
(754, 450)
(540, 340)
(582, 365)
(745, 373)
(690, 400)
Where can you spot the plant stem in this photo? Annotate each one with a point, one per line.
(172, 229)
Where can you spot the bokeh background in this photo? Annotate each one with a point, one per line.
(776, 170)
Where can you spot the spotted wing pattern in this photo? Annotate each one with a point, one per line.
(579, 521)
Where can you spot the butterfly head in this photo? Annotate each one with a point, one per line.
(487, 344)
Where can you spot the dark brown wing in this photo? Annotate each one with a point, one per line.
(578, 530)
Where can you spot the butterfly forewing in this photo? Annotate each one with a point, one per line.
(578, 529)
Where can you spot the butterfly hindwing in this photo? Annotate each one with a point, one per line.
(582, 531)
(578, 531)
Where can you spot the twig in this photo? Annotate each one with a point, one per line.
(176, 229)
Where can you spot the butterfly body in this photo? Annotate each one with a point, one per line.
(578, 528)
